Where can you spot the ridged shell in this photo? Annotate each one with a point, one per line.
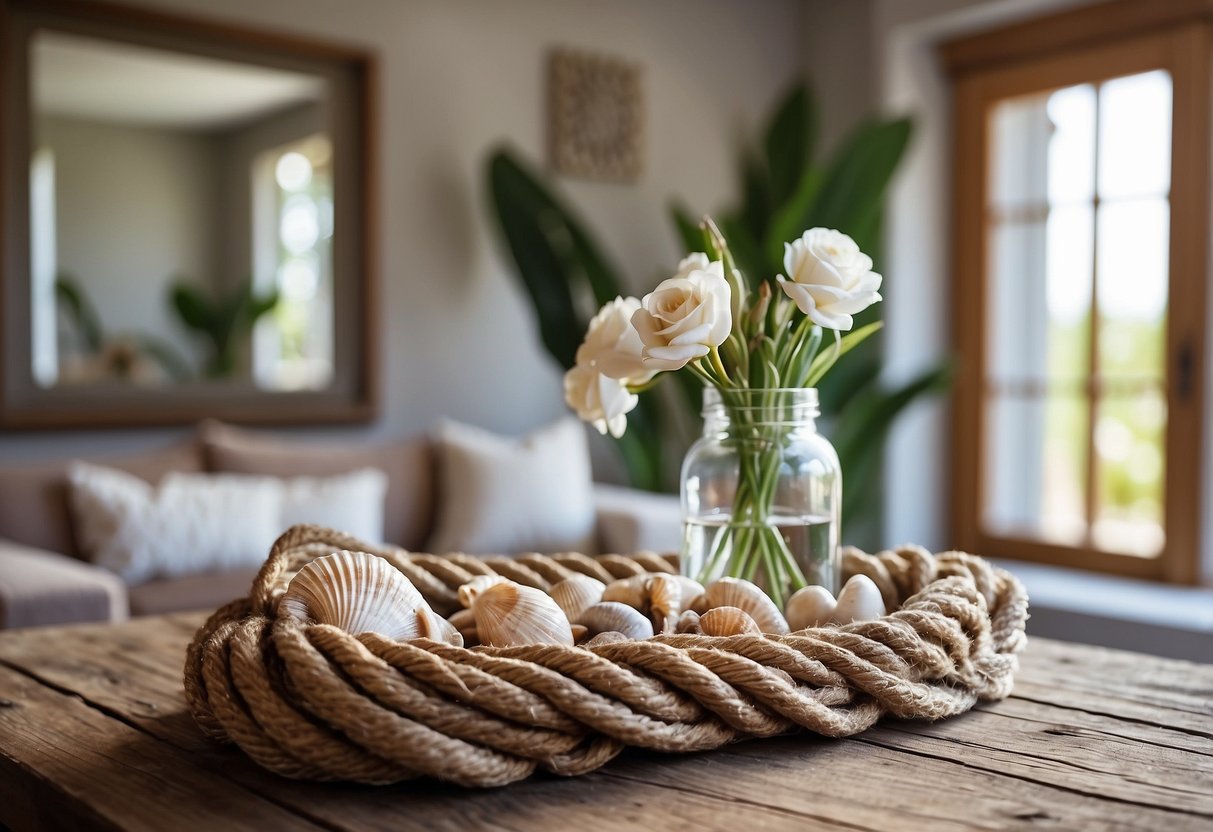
(860, 600)
(509, 614)
(469, 591)
(356, 591)
(665, 601)
(465, 623)
(574, 594)
(726, 621)
(433, 626)
(612, 616)
(699, 603)
(811, 606)
(746, 596)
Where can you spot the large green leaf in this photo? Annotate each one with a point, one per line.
(79, 307)
(690, 235)
(788, 142)
(858, 177)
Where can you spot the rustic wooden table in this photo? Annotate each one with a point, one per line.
(94, 733)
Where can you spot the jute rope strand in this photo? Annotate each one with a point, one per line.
(312, 701)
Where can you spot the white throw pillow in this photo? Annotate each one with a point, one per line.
(504, 496)
(197, 523)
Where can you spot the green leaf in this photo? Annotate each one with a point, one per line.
(857, 178)
(792, 218)
(788, 142)
(194, 309)
(166, 355)
(825, 359)
(79, 307)
(689, 232)
(756, 203)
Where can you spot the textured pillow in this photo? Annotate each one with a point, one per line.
(408, 464)
(206, 523)
(191, 523)
(501, 495)
(34, 497)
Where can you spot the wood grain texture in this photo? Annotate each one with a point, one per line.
(1092, 738)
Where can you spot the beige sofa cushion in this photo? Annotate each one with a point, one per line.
(33, 498)
(41, 588)
(409, 465)
(196, 592)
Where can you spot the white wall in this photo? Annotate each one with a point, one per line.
(134, 210)
(458, 76)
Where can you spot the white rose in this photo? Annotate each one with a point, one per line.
(829, 278)
(612, 346)
(685, 316)
(600, 400)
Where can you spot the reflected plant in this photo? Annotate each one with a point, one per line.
(223, 320)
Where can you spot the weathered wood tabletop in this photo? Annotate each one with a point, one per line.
(94, 733)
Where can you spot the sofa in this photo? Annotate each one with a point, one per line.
(46, 579)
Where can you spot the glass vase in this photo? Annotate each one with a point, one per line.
(761, 493)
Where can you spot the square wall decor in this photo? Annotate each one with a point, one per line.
(597, 116)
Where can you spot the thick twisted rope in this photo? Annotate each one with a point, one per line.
(312, 701)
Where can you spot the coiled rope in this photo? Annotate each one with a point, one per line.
(312, 701)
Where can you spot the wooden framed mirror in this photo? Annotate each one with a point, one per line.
(188, 221)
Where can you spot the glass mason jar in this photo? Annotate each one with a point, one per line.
(762, 493)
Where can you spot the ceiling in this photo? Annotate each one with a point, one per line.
(104, 80)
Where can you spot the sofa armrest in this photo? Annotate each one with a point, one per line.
(631, 521)
(38, 587)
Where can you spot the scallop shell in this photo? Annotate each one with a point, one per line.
(860, 600)
(509, 614)
(356, 591)
(579, 633)
(612, 616)
(665, 601)
(699, 603)
(811, 606)
(727, 621)
(735, 592)
(574, 594)
(477, 585)
(433, 626)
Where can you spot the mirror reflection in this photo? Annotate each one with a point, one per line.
(181, 219)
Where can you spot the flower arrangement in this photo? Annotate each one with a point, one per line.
(749, 346)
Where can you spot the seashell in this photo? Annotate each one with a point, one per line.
(356, 591)
(691, 590)
(613, 616)
(574, 594)
(688, 622)
(509, 614)
(727, 621)
(630, 591)
(665, 601)
(699, 603)
(477, 585)
(579, 632)
(859, 600)
(735, 592)
(433, 626)
(811, 606)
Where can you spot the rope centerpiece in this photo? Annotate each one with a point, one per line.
(313, 701)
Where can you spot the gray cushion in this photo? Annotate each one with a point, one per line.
(39, 587)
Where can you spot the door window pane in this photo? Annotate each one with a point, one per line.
(1129, 470)
(1132, 287)
(1135, 135)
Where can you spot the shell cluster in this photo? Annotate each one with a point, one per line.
(360, 592)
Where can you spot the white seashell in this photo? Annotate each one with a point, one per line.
(688, 622)
(727, 621)
(465, 623)
(608, 637)
(735, 592)
(574, 594)
(433, 626)
(860, 600)
(477, 585)
(699, 603)
(630, 591)
(509, 614)
(811, 606)
(612, 616)
(356, 591)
